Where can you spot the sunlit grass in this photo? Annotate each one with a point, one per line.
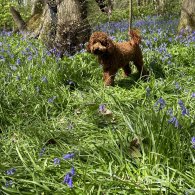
(140, 144)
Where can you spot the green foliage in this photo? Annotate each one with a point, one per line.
(5, 16)
(51, 106)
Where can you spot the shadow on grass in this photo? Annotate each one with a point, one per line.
(128, 82)
(157, 69)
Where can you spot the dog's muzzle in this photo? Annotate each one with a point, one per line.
(98, 49)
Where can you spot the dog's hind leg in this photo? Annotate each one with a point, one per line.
(127, 70)
(140, 66)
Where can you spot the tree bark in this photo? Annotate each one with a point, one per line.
(60, 24)
(187, 18)
(138, 3)
(18, 19)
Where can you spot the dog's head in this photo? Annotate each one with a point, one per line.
(100, 44)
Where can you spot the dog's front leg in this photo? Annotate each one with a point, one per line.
(108, 77)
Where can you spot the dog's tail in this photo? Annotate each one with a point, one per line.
(135, 37)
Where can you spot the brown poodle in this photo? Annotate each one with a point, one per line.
(113, 55)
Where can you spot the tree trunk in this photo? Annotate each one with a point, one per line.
(160, 6)
(138, 3)
(187, 19)
(60, 24)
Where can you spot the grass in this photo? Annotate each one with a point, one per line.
(134, 138)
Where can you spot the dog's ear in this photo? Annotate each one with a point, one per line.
(88, 47)
(110, 45)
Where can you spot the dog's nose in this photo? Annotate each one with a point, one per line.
(96, 51)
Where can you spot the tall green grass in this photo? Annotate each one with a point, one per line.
(50, 107)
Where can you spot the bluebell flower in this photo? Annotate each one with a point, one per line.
(37, 88)
(193, 142)
(8, 183)
(44, 79)
(68, 156)
(18, 61)
(70, 126)
(11, 171)
(183, 108)
(42, 152)
(177, 86)
(170, 111)
(68, 177)
(148, 91)
(193, 95)
(48, 53)
(180, 102)
(185, 111)
(148, 43)
(29, 58)
(155, 39)
(161, 103)
(174, 121)
(50, 100)
(56, 161)
(102, 107)
(2, 59)
(17, 78)
(14, 68)
(72, 171)
(68, 180)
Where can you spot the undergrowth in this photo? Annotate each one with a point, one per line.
(62, 131)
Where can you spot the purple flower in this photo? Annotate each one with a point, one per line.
(44, 79)
(193, 95)
(68, 156)
(170, 112)
(184, 110)
(2, 59)
(11, 171)
(148, 91)
(50, 100)
(193, 142)
(174, 121)
(177, 86)
(155, 39)
(68, 177)
(161, 103)
(18, 61)
(70, 126)
(42, 152)
(8, 183)
(102, 108)
(17, 78)
(29, 58)
(180, 102)
(72, 171)
(14, 68)
(68, 180)
(37, 88)
(56, 161)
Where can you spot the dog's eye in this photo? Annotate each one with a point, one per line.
(104, 43)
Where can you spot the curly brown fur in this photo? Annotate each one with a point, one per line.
(113, 55)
